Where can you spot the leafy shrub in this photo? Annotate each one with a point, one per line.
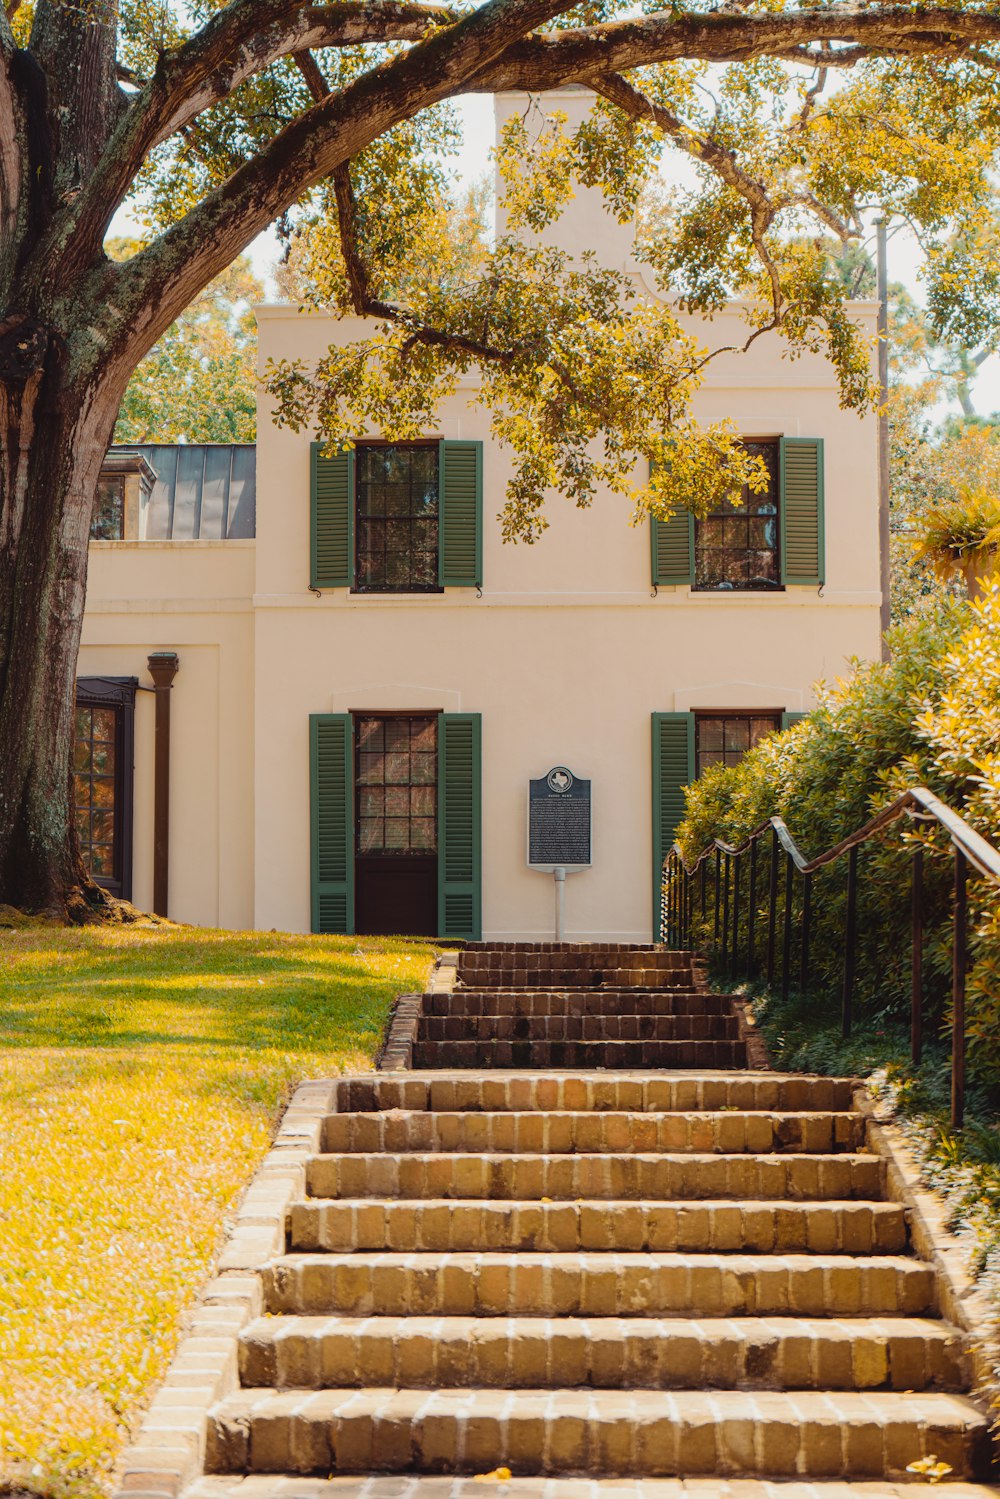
(930, 716)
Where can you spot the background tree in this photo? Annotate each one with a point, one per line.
(216, 119)
(199, 384)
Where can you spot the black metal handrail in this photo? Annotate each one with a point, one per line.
(968, 847)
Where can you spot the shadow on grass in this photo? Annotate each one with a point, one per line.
(168, 988)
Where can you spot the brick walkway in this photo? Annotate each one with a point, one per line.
(619, 1284)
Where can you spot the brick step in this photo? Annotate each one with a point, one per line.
(602, 1352)
(559, 1133)
(631, 1092)
(596, 1285)
(585, 1054)
(643, 971)
(346, 1225)
(580, 979)
(380, 1486)
(724, 1432)
(657, 1177)
(551, 1028)
(576, 1002)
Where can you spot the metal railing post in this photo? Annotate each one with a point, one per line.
(786, 935)
(752, 911)
(959, 959)
(718, 867)
(917, 956)
(807, 886)
(772, 914)
(850, 942)
(725, 912)
(734, 952)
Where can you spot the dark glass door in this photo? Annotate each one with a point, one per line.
(395, 797)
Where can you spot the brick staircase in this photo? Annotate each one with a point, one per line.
(618, 1284)
(555, 1005)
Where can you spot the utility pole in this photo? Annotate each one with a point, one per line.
(883, 432)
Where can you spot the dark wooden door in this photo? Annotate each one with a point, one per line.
(396, 867)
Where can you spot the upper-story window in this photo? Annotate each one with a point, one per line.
(724, 738)
(737, 546)
(397, 499)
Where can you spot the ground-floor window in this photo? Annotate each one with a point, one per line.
(724, 738)
(103, 739)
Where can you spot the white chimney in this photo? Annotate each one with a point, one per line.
(585, 223)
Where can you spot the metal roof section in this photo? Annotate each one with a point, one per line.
(201, 492)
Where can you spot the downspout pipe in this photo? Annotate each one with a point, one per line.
(885, 579)
(163, 666)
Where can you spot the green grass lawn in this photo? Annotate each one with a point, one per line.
(142, 1070)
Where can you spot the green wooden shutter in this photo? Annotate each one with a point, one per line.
(673, 769)
(332, 518)
(787, 719)
(331, 813)
(460, 825)
(672, 547)
(460, 550)
(803, 558)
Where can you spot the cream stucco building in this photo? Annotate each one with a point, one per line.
(367, 677)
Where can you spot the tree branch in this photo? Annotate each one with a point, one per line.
(243, 39)
(157, 284)
(365, 305)
(584, 54)
(717, 157)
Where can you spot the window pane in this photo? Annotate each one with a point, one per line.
(83, 825)
(423, 736)
(760, 728)
(103, 759)
(104, 723)
(397, 801)
(371, 833)
(81, 754)
(102, 826)
(710, 733)
(101, 860)
(397, 833)
(397, 734)
(397, 770)
(422, 770)
(103, 791)
(737, 733)
(371, 801)
(108, 523)
(422, 801)
(370, 768)
(423, 834)
(371, 733)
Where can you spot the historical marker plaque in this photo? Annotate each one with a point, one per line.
(559, 821)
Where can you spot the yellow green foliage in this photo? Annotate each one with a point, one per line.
(142, 1070)
(930, 716)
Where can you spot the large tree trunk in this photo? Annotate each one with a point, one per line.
(53, 438)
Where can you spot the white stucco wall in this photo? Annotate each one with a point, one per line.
(194, 598)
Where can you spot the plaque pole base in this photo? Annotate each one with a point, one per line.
(559, 876)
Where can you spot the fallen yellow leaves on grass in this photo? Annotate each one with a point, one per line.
(142, 1071)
